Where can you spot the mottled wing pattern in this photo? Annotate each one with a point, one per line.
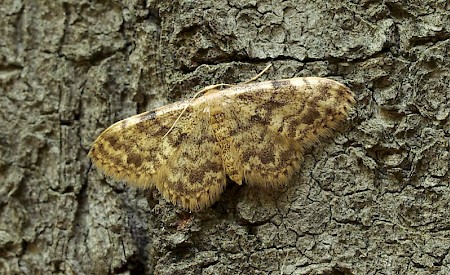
(273, 122)
(317, 106)
(193, 176)
(254, 132)
(185, 166)
(253, 151)
(133, 149)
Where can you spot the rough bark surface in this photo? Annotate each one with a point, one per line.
(374, 199)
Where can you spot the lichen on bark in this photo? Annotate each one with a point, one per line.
(373, 198)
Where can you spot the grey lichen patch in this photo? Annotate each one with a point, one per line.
(372, 199)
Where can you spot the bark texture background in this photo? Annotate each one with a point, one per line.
(373, 199)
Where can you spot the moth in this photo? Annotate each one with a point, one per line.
(255, 133)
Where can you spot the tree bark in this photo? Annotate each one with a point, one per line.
(372, 199)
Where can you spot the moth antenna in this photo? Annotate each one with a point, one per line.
(258, 75)
(284, 262)
(207, 88)
(210, 87)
